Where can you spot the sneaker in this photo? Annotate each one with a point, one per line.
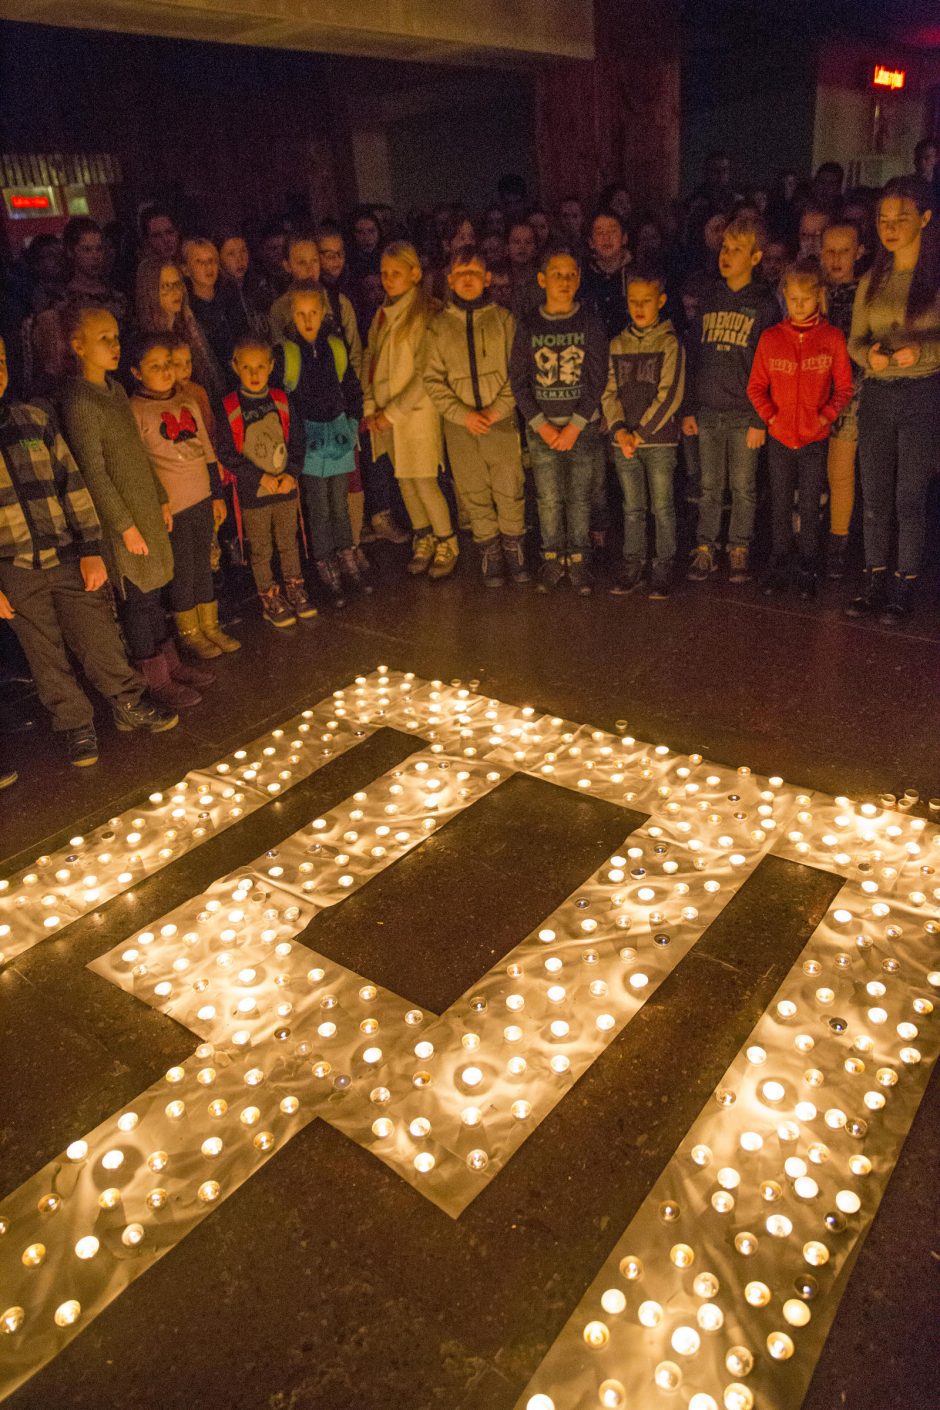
(661, 581)
(145, 715)
(422, 552)
(492, 563)
(295, 590)
(384, 527)
(579, 575)
(738, 563)
(550, 574)
(82, 746)
(445, 558)
(703, 564)
(275, 608)
(901, 602)
(627, 580)
(873, 598)
(836, 555)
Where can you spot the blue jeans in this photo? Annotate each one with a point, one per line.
(564, 481)
(725, 457)
(649, 467)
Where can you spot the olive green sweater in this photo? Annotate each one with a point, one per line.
(884, 321)
(101, 430)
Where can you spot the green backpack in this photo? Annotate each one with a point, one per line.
(292, 360)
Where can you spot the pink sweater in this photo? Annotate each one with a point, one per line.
(177, 442)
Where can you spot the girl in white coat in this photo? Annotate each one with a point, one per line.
(401, 418)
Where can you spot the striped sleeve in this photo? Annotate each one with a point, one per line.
(671, 390)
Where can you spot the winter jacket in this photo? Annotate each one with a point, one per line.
(342, 315)
(646, 383)
(466, 360)
(721, 346)
(393, 383)
(558, 367)
(800, 375)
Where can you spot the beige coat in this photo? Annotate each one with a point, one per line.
(392, 382)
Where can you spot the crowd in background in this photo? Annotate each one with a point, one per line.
(580, 388)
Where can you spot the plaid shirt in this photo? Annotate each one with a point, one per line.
(46, 512)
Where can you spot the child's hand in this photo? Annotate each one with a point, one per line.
(269, 484)
(823, 424)
(906, 357)
(134, 539)
(6, 611)
(286, 484)
(549, 434)
(219, 512)
(755, 438)
(626, 442)
(567, 436)
(380, 422)
(689, 426)
(877, 360)
(477, 423)
(167, 518)
(94, 573)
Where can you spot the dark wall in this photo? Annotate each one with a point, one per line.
(241, 127)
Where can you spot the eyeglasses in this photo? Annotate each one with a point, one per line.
(171, 287)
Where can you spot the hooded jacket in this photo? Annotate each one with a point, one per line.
(646, 383)
(466, 360)
(800, 375)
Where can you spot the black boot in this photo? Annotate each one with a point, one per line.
(514, 557)
(492, 563)
(836, 554)
(328, 573)
(901, 602)
(873, 597)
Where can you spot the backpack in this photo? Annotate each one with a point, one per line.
(236, 418)
(292, 360)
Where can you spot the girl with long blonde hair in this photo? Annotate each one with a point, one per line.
(401, 418)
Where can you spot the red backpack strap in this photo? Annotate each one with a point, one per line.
(283, 410)
(236, 420)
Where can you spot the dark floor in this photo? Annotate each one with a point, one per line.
(326, 1281)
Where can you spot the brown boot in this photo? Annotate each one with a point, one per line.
(209, 626)
(192, 637)
(384, 527)
(186, 675)
(162, 688)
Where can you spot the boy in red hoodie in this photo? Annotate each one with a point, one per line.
(800, 381)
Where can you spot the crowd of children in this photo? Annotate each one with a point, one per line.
(288, 408)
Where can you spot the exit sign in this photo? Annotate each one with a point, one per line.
(30, 202)
(885, 77)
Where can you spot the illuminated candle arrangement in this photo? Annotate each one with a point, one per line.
(289, 1035)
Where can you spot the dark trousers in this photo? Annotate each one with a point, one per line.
(273, 523)
(804, 471)
(898, 438)
(53, 615)
(191, 541)
(326, 498)
(377, 478)
(143, 621)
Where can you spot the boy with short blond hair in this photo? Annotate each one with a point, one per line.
(557, 370)
(721, 347)
(641, 405)
(466, 373)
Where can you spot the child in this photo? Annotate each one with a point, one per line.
(215, 303)
(262, 444)
(800, 382)
(645, 386)
(162, 306)
(894, 340)
(319, 376)
(466, 374)
(841, 251)
(604, 286)
(302, 265)
(721, 350)
(181, 454)
(132, 503)
(558, 369)
(52, 581)
(400, 415)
